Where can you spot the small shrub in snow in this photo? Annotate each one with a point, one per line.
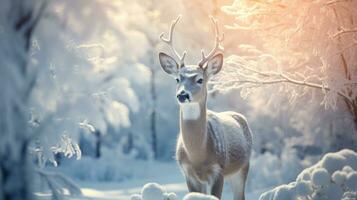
(284, 193)
(349, 196)
(348, 169)
(316, 182)
(153, 191)
(351, 158)
(303, 188)
(320, 177)
(351, 181)
(332, 162)
(305, 176)
(339, 177)
(171, 196)
(332, 192)
(199, 196)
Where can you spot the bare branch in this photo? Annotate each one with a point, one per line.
(217, 45)
(169, 41)
(334, 1)
(286, 79)
(344, 31)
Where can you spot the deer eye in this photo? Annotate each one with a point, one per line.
(177, 80)
(200, 81)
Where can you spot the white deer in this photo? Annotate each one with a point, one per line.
(211, 146)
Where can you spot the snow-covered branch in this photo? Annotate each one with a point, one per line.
(301, 52)
(345, 31)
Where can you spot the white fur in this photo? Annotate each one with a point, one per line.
(237, 184)
(190, 111)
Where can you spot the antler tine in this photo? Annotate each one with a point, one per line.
(217, 45)
(169, 41)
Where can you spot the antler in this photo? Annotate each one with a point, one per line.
(169, 41)
(217, 45)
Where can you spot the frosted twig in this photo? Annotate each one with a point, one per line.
(344, 31)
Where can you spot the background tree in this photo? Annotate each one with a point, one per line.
(18, 22)
(307, 44)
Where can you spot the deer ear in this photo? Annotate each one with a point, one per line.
(214, 65)
(168, 64)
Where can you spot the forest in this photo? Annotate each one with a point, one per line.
(90, 108)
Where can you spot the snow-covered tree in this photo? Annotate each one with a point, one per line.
(18, 22)
(81, 86)
(297, 47)
(56, 79)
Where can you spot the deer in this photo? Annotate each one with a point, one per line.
(211, 146)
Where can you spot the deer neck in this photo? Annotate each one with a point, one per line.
(193, 129)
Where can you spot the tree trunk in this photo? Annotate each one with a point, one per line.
(18, 23)
(153, 110)
(98, 143)
(352, 107)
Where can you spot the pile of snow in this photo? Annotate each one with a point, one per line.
(333, 177)
(199, 196)
(154, 191)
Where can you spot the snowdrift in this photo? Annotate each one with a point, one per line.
(154, 191)
(334, 177)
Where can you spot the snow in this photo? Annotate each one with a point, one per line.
(190, 111)
(84, 71)
(316, 182)
(167, 174)
(339, 177)
(320, 177)
(152, 191)
(199, 196)
(303, 188)
(351, 181)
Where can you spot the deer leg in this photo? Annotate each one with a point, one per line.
(194, 185)
(217, 186)
(238, 183)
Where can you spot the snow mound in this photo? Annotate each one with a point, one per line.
(333, 177)
(199, 196)
(153, 191)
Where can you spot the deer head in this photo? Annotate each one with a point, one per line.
(192, 79)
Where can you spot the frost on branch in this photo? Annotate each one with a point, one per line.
(294, 46)
(67, 147)
(333, 177)
(44, 152)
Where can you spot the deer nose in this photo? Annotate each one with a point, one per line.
(183, 96)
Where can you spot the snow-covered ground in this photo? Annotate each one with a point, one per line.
(332, 178)
(166, 174)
